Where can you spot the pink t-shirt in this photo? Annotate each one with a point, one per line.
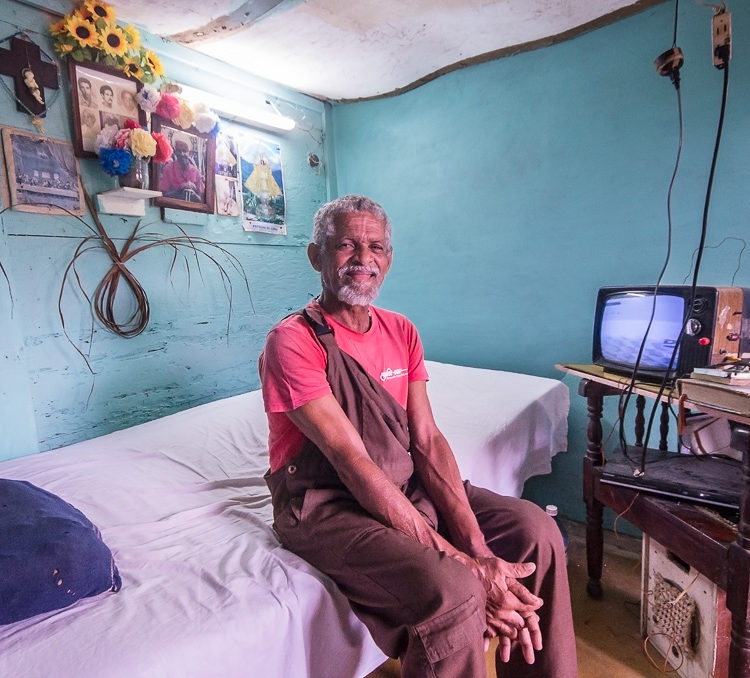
(293, 368)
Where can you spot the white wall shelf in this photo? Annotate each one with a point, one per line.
(124, 200)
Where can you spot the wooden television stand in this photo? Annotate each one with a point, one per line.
(704, 540)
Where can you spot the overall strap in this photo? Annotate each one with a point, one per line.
(317, 321)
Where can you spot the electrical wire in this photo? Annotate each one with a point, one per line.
(702, 243)
(667, 257)
(667, 379)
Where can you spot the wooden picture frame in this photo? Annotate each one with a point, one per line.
(186, 180)
(43, 174)
(101, 95)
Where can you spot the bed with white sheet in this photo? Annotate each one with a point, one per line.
(206, 588)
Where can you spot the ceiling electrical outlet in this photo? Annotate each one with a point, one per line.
(721, 30)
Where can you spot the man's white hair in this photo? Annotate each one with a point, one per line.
(324, 222)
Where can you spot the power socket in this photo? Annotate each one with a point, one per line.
(721, 33)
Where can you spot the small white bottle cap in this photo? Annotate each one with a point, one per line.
(551, 509)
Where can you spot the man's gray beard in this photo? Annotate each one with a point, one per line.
(353, 297)
(354, 293)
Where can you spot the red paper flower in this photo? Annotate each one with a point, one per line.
(163, 149)
(168, 106)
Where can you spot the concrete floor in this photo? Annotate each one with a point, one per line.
(607, 631)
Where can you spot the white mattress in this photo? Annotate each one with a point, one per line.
(504, 427)
(207, 590)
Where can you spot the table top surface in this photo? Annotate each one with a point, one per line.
(720, 400)
(619, 381)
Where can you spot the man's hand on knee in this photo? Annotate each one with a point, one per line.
(527, 634)
(511, 607)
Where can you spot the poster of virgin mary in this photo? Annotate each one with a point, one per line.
(263, 203)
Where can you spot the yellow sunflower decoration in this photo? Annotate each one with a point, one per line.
(112, 41)
(98, 10)
(133, 37)
(133, 69)
(153, 63)
(90, 33)
(82, 31)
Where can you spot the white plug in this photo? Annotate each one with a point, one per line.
(721, 33)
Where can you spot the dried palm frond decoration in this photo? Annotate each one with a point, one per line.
(119, 278)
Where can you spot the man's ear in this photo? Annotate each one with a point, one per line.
(314, 255)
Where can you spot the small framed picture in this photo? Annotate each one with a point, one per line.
(228, 190)
(101, 96)
(186, 180)
(43, 174)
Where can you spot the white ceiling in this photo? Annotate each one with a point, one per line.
(357, 49)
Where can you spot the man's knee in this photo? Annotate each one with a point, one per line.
(538, 526)
(531, 535)
(450, 586)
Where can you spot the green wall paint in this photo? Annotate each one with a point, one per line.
(520, 186)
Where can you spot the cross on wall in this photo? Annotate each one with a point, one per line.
(24, 56)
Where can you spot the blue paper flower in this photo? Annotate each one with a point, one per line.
(115, 161)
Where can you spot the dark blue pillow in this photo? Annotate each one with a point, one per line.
(50, 553)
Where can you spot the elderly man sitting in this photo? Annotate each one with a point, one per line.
(366, 488)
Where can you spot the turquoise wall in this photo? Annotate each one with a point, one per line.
(516, 187)
(192, 351)
(520, 186)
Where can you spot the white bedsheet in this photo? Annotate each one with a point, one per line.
(207, 590)
(504, 427)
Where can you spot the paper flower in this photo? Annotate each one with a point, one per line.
(148, 99)
(163, 148)
(115, 161)
(117, 147)
(142, 143)
(206, 121)
(186, 117)
(168, 106)
(106, 137)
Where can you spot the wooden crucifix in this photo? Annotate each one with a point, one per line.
(23, 62)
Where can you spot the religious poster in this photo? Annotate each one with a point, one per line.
(228, 191)
(263, 206)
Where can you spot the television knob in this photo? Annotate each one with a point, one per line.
(733, 336)
(693, 326)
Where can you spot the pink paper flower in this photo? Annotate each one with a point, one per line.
(168, 106)
(163, 148)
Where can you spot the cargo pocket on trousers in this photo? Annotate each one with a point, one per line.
(451, 631)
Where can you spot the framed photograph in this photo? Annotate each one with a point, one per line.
(187, 179)
(228, 191)
(43, 174)
(101, 96)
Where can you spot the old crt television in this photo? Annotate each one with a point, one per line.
(715, 320)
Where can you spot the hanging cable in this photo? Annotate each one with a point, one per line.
(702, 243)
(673, 73)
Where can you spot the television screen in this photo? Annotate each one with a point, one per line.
(625, 320)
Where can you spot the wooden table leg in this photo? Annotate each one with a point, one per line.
(594, 394)
(738, 567)
(594, 534)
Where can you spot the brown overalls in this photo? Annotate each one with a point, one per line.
(419, 604)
